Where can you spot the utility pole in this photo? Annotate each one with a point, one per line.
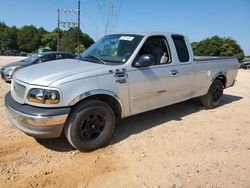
(78, 34)
(69, 24)
(58, 29)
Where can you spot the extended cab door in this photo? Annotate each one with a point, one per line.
(184, 68)
(155, 86)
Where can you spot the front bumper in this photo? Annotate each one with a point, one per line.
(35, 121)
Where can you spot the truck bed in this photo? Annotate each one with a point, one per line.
(213, 58)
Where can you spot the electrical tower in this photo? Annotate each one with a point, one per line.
(68, 24)
(110, 10)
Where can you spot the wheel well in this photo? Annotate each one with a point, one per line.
(222, 78)
(109, 100)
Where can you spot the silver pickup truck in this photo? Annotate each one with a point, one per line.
(119, 76)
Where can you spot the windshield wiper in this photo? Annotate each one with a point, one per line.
(97, 58)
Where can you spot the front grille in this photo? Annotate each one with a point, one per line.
(19, 89)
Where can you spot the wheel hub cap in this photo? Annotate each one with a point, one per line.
(92, 126)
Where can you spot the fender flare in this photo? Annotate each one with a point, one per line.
(98, 92)
(221, 73)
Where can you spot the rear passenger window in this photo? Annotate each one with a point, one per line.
(181, 48)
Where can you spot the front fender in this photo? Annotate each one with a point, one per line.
(97, 92)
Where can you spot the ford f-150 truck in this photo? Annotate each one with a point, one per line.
(119, 76)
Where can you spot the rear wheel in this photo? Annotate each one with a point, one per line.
(90, 125)
(214, 95)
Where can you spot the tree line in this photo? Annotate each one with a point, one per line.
(29, 38)
(218, 46)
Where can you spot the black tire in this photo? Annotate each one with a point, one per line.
(214, 95)
(90, 125)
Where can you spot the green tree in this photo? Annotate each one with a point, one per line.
(217, 46)
(41, 31)
(87, 41)
(29, 38)
(69, 40)
(8, 38)
(3, 26)
(50, 40)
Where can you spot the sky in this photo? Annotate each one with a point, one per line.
(198, 19)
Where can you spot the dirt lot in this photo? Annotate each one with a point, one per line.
(183, 145)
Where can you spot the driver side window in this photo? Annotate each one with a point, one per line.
(158, 48)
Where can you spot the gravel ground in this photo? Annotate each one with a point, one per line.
(182, 145)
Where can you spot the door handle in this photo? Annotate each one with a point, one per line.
(174, 73)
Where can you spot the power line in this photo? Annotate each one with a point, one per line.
(58, 4)
(63, 5)
(69, 24)
(110, 14)
(109, 10)
(66, 3)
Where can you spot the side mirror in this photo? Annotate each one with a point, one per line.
(144, 61)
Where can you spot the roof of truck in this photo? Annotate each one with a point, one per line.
(150, 33)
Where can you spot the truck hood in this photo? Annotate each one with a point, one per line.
(46, 73)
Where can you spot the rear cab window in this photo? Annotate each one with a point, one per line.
(181, 48)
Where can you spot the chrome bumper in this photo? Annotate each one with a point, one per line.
(34, 121)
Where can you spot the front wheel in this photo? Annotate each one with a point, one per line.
(90, 125)
(214, 95)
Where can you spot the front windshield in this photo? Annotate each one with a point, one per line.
(112, 49)
(31, 58)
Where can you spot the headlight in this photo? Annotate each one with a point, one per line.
(44, 96)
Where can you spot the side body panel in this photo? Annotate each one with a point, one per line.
(207, 71)
(186, 73)
(155, 86)
(137, 89)
(107, 84)
(117, 83)
(151, 88)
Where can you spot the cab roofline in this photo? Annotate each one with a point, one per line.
(148, 33)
